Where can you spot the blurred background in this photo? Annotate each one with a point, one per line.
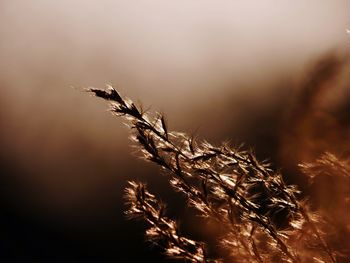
(271, 74)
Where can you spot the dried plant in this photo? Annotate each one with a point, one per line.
(263, 217)
(327, 165)
(330, 180)
(163, 230)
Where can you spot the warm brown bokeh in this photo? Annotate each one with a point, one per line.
(223, 70)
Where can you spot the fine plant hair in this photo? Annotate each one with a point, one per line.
(327, 164)
(263, 217)
(329, 177)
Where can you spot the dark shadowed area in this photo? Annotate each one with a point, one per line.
(272, 75)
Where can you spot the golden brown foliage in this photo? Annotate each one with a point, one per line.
(265, 221)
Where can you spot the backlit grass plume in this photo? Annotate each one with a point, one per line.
(265, 221)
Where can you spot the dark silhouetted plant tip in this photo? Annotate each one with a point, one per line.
(264, 219)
